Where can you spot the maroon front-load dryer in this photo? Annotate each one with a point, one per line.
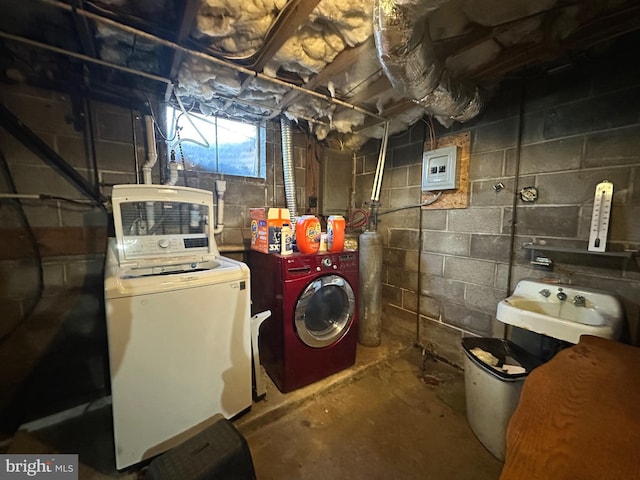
(312, 331)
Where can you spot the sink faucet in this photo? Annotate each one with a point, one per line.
(545, 292)
(561, 295)
(579, 301)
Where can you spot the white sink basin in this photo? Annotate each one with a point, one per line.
(540, 307)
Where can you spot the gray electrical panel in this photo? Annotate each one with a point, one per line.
(439, 169)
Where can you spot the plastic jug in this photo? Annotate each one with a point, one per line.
(308, 234)
(335, 233)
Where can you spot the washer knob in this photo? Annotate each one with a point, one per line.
(326, 262)
(163, 243)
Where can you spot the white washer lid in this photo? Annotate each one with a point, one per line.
(160, 223)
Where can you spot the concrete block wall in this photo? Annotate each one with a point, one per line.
(74, 349)
(446, 270)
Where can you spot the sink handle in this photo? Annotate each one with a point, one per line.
(579, 301)
(545, 292)
(561, 295)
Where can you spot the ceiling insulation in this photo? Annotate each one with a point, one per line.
(314, 61)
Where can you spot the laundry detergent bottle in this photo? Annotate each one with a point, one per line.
(308, 234)
(286, 240)
(335, 233)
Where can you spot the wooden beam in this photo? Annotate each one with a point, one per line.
(396, 109)
(600, 29)
(381, 84)
(188, 17)
(84, 33)
(342, 61)
(295, 14)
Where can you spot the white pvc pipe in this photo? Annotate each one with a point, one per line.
(152, 154)
(173, 174)
(152, 158)
(221, 187)
(377, 180)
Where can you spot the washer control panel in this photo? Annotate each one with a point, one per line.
(298, 264)
(163, 245)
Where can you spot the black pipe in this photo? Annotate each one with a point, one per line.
(29, 139)
(6, 171)
(516, 188)
(89, 131)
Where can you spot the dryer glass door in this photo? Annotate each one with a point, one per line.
(325, 311)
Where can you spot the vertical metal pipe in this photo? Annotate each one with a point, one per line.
(370, 298)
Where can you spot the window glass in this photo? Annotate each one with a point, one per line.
(216, 144)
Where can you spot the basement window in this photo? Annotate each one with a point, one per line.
(216, 144)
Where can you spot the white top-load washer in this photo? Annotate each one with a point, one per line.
(178, 321)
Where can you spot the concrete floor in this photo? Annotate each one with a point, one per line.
(395, 415)
(396, 421)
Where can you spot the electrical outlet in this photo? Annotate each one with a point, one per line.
(439, 169)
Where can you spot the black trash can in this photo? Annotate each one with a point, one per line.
(219, 452)
(494, 372)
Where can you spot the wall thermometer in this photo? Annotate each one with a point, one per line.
(600, 216)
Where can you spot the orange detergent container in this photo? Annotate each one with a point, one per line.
(308, 234)
(335, 233)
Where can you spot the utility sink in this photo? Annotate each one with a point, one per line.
(562, 311)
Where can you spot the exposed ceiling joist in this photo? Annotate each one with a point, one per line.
(342, 61)
(188, 17)
(375, 88)
(396, 109)
(600, 29)
(212, 45)
(84, 34)
(296, 13)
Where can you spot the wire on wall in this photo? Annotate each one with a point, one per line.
(407, 207)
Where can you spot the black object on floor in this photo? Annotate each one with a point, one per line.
(219, 452)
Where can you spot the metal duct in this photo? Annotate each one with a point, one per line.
(405, 50)
(288, 167)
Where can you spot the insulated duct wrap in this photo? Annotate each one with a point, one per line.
(288, 167)
(407, 55)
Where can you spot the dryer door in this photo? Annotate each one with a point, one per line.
(325, 311)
